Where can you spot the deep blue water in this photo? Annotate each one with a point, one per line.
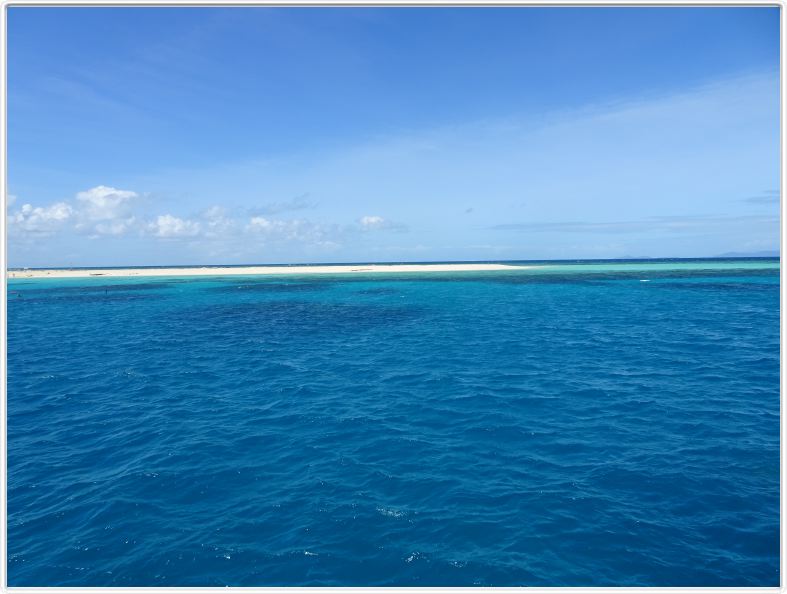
(571, 426)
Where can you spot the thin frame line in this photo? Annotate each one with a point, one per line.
(6, 4)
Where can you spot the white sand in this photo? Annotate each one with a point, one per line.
(255, 270)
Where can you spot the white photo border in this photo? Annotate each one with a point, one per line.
(6, 4)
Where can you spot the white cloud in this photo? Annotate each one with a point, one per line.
(104, 210)
(372, 222)
(291, 229)
(40, 220)
(298, 203)
(168, 226)
(117, 227)
(215, 213)
(295, 230)
(104, 203)
(377, 223)
(216, 223)
(260, 224)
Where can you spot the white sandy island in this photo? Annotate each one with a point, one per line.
(257, 270)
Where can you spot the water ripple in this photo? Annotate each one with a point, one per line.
(495, 430)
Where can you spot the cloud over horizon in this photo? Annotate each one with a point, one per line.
(654, 223)
(105, 211)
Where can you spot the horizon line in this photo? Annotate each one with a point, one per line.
(731, 256)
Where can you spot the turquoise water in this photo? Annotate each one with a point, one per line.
(568, 425)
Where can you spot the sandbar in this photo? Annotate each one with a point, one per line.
(258, 270)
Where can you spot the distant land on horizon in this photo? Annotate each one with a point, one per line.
(759, 254)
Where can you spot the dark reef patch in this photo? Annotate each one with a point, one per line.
(271, 287)
(292, 316)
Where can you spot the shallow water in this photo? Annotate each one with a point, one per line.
(570, 425)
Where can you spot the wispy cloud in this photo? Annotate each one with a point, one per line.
(766, 197)
(602, 170)
(674, 224)
(217, 224)
(301, 202)
(378, 223)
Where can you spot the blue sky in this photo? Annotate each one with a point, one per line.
(156, 136)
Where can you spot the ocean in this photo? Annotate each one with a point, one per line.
(580, 424)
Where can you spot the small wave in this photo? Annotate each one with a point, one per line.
(391, 513)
